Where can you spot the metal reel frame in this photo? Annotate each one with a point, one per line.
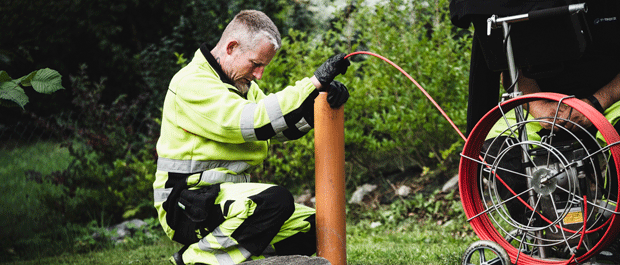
(480, 211)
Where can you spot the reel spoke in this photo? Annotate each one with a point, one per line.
(543, 197)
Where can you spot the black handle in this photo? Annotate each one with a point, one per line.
(549, 12)
(556, 11)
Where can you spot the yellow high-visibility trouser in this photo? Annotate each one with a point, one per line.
(257, 223)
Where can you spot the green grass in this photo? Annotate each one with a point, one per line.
(21, 208)
(410, 243)
(157, 253)
(43, 157)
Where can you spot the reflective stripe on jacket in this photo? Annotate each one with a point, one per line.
(210, 133)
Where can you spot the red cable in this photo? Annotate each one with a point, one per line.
(416, 83)
(583, 232)
(446, 116)
(596, 123)
(449, 120)
(468, 171)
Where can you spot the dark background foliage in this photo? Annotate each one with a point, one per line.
(117, 57)
(128, 41)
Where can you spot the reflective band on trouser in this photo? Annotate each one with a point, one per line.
(196, 255)
(246, 123)
(220, 247)
(295, 224)
(161, 195)
(210, 177)
(275, 113)
(281, 137)
(214, 177)
(194, 166)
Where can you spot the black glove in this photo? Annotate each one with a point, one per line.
(334, 66)
(337, 94)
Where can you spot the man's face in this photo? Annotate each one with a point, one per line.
(246, 65)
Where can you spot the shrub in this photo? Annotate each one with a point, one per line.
(113, 148)
(110, 162)
(389, 124)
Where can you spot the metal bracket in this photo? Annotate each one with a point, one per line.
(491, 24)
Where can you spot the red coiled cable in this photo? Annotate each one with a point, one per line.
(471, 203)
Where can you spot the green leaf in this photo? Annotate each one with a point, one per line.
(11, 94)
(47, 81)
(131, 212)
(9, 104)
(27, 79)
(4, 76)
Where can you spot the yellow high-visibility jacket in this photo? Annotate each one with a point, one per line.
(211, 133)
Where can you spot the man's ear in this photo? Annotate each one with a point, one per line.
(231, 46)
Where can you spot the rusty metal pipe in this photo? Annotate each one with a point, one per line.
(329, 174)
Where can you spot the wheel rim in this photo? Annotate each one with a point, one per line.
(486, 215)
(485, 252)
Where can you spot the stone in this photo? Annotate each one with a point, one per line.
(305, 198)
(451, 184)
(121, 231)
(403, 191)
(358, 196)
(289, 260)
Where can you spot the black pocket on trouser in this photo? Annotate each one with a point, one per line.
(190, 212)
(196, 204)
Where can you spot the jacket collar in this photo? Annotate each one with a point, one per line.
(206, 52)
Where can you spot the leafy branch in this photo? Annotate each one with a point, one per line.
(12, 92)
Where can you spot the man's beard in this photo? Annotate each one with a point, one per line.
(243, 87)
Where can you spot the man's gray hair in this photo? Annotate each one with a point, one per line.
(249, 26)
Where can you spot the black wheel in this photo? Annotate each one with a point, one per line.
(485, 252)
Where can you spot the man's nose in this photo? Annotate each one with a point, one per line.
(258, 72)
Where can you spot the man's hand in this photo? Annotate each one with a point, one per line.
(337, 94)
(546, 110)
(334, 66)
